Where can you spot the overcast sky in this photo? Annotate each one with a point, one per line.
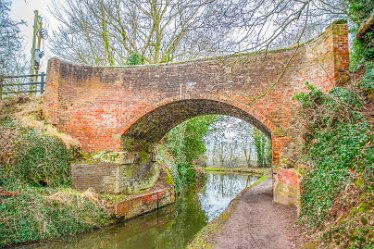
(24, 10)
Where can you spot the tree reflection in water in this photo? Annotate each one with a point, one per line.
(220, 190)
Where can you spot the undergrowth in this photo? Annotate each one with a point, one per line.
(36, 201)
(41, 213)
(337, 191)
(41, 159)
(30, 152)
(33, 156)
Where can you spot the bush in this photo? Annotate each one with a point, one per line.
(33, 216)
(367, 80)
(40, 159)
(338, 148)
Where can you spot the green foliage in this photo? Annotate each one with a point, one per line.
(337, 145)
(360, 10)
(362, 50)
(135, 59)
(367, 80)
(35, 215)
(263, 148)
(356, 55)
(41, 159)
(186, 144)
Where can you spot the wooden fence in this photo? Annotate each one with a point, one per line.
(22, 84)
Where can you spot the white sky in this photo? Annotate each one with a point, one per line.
(24, 10)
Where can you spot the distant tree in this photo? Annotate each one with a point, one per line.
(230, 143)
(186, 144)
(11, 58)
(263, 148)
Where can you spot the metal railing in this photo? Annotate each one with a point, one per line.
(22, 84)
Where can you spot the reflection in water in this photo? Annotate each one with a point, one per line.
(220, 190)
(172, 227)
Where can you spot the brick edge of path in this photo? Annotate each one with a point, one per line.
(258, 223)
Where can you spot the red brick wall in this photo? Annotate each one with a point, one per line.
(98, 105)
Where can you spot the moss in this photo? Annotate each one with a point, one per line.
(168, 177)
(341, 21)
(284, 163)
(279, 131)
(135, 183)
(113, 197)
(144, 156)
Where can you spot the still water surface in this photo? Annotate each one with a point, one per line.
(172, 227)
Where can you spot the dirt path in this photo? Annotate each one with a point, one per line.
(259, 223)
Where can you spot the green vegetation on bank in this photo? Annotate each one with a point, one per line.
(263, 148)
(185, 144)
(339, 151)
(36, 200)
(337, 190)
(37, 213)
(242, 170)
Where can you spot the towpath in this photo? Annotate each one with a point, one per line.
(258, 223)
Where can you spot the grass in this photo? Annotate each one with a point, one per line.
(27, 112)
(252, 170)
(42, 213)
(205, 238)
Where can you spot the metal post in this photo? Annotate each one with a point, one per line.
(42, 83)
(39, 37)
(35, 29)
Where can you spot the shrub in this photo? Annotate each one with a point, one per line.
(32, 215)
(41, 159)
(367, 80)
(338, 148)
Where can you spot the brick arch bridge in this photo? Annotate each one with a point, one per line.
(99, 105)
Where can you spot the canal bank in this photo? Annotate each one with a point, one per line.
(252, 221)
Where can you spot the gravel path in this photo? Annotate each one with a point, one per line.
(259, 223)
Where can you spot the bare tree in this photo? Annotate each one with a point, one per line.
(107, 32)
(230, 142)
(11, 58)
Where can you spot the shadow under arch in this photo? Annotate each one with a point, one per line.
(154, 125)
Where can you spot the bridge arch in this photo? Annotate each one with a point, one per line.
(152, 126)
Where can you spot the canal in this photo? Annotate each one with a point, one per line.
(171, 227)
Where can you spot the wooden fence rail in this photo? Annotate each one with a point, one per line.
(21, 84)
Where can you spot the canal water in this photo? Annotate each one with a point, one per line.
(171, 227)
